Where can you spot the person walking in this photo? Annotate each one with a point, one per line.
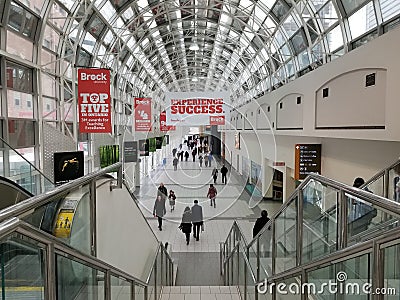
(175, 163)
(174, 152)
(197, 219)
(186, 225)
(214, 174)
(172, 198)
(159, 210)
(201, 160)
(260, 223)
(210, 159)
(206, 160)
(194, 152)
(212, 193)
(224, 171)
(162, 191)
(186, 155)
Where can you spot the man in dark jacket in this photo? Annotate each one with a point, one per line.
(260, 223)
(197, 219)
(224, 171)
(159, 210)
(162, 191)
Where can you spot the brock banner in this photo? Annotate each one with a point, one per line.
(142, 114)
(197, 108)
(94, 103)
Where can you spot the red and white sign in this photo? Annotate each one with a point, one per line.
(142, 114)
(197, 108)
(163, 123)
(278, 164)
(218, 120)
(94, 101)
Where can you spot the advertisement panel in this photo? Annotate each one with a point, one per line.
(142, 114)
(144, 147)
(256, 175)
(68, 166)
(109, 155)
(94, 101)
(196, 108)
(152, 144)
(130, 152)
(159, 142)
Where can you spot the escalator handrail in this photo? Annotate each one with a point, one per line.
(32, 165)
(16, 225)
(42, 199)
(16, 185)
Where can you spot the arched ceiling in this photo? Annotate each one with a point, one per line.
(247, 47)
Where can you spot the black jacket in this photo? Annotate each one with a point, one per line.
(162, 191)
(186, 225)
(260, 223)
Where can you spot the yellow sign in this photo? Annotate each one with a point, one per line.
(64, 224)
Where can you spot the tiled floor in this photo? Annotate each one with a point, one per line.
(200, 293)
(191, 182)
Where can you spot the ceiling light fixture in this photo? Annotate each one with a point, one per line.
(194, 47)
(194, 79)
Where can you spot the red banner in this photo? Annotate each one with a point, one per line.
(163, 123)
(217, 120)
(94, 101)
(142, 114)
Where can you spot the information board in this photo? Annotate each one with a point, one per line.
(130, 151)
(307, 160)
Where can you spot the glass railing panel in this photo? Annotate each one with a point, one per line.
(282, 289)
(343, 280)
(265, 244)
(139, 293)
(391, 271)
(319, 220)
(365, 221)
(235, 268)
(377, 186)
(22, 268)
(165, 271)
(252, 250)
(78, 281)
(120, 289)
(394, 183)
(285, 238)
(250, 287)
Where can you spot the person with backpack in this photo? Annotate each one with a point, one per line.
(175, 163)
(212, 193)
(206, 160)
(215, 175)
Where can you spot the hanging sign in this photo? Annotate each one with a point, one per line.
(142, 114)
(163, 123)
(94, 103)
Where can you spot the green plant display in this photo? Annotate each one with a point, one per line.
(109, 155)
(152, 144)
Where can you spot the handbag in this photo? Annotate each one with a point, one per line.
(202, 226)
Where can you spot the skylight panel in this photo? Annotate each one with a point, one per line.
(108, 11)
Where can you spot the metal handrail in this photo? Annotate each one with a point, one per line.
(17, 225)
(32, 165)
(380, 173)
(42, 199)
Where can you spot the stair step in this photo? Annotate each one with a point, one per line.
(200, 290)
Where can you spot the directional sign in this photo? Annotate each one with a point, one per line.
(307, 160)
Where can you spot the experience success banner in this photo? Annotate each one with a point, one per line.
(94, 104)
(198, 108)
(142, 114)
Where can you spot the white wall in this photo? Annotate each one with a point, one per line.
(124, 238)
(346, 153)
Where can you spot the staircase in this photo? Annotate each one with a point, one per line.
(200, 293)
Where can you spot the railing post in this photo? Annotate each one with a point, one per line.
(258, 259)
(377, 270)
(386, 184)
(50, 272)
(146, 292)
(107, 286)
(119, 177)
(273, 246)
(133, 295)
(93, 218)
(162, 265)
(342, 220)
(299, 228)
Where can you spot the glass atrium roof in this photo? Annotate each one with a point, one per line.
(246, 47)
